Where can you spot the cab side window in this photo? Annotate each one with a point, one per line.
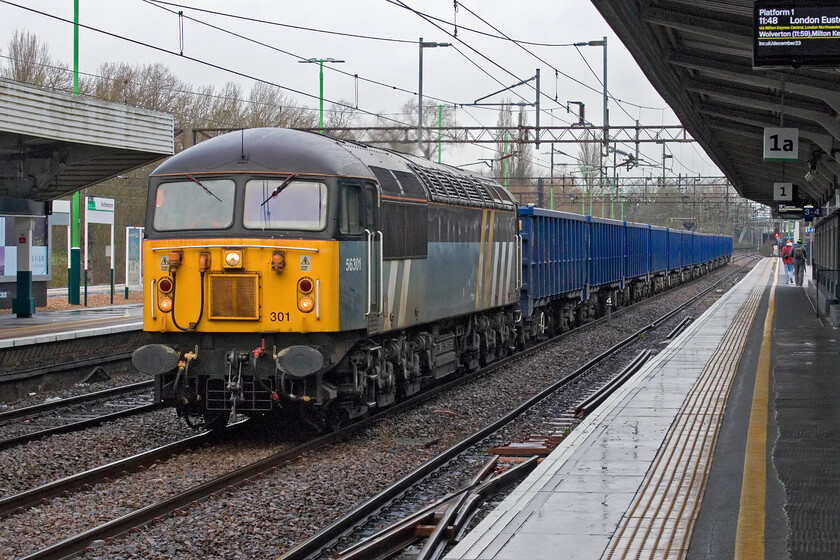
(352, 222)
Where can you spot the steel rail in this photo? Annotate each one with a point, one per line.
(28, 498)
(42, 408)
(679, 328)
(594, 400)
(11, 377)
(81, 424)
(313, 546)
(403, 534)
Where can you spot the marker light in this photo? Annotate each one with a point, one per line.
(305, 304)
(278, 261)
(233, 259)
(204, 261)
(165, 285)
(165, 304)
(175, 258)
(305, 285)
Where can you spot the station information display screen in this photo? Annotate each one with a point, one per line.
(796, 34)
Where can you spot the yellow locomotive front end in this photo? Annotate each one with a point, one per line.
(240, 286)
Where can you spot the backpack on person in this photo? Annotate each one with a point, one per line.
(785, 251)
(799, 254)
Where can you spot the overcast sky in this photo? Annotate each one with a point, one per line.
(476, 66)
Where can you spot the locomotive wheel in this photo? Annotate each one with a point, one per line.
(215, 420)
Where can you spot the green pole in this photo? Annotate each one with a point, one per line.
(440, 127)
(622, 203)
(75, 252)
(583, 194)
(321, 95)
(603, 201)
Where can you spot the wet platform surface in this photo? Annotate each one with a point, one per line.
(52, 326)
(659, 470)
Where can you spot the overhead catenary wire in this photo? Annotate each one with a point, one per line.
(193, 59)
(428, 18)
(245, 75)
(332, 69)
(518, 42)
(200, 61)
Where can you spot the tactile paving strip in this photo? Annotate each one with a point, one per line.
(659, 522)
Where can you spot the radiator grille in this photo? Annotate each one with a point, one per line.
(219, 397)
(234, 296)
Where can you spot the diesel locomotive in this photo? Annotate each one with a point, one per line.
(316, 277)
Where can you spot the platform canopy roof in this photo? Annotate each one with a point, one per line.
(54, 144)
(698, 55)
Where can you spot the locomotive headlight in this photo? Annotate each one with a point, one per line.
(304, 288)
(165, 304)
(233, 259)
(305, 304)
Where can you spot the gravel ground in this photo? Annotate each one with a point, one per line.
(264, 517)
(57, 456)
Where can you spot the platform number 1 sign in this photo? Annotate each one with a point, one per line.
(781, 144)
(783, 191)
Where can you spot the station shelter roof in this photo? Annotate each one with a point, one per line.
(54, 144)
(698, 54)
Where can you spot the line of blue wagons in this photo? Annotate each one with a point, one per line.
(570, 255)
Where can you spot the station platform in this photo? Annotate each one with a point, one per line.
(55, 326)
(725, 445)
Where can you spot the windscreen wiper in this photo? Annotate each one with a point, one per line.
(196, 181)
(279, 188)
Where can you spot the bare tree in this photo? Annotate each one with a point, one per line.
(341, 115)
(30, 63)
(513, 152)
(151, 86)
(268, 106)
(404, 139)
(589, 159)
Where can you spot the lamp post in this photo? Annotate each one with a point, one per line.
(321, 62)
(423, 45)
(606, 135)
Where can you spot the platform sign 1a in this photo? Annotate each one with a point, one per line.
(133, 257)
(781, 144)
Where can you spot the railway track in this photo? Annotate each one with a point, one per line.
(184, 499)
(386, 543)
(74, 413)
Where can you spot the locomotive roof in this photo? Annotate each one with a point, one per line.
(261, 150)
(282, 150)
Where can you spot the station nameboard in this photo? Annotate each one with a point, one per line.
(796, 33)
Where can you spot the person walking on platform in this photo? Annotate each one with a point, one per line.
(800, 257)
(787, 259)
